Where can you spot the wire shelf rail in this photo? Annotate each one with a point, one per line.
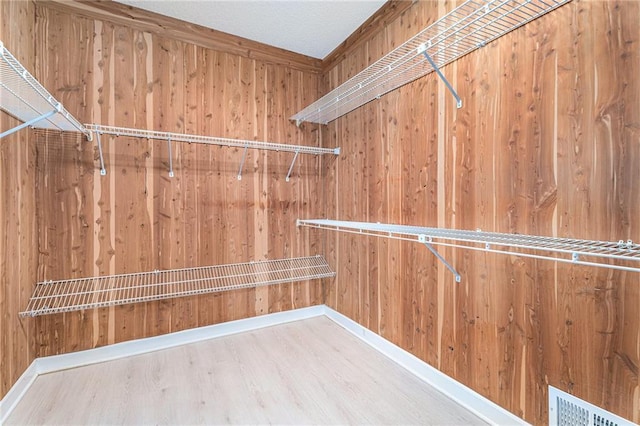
(468, 27)
(599, 253)
(51, 297)
(23, 97)
(209, 140)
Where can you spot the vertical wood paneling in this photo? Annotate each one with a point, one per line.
(544, 145)
(627, 351)
(18, 234)
(137, 218)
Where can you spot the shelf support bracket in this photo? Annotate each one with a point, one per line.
(28, 123)
(244, 156)
(291, 167)
(170, 158)
(423, 49)
(427, 242)
(103, 171)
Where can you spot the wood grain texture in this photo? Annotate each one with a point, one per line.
(304, 372)
(547, 143)
(146, 21)
(18, 248)
(137, 218)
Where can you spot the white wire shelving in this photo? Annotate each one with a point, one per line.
(207, 140)
(23, 97)
(51, 297)
(468, 27)
(569, 250)
(210, 140)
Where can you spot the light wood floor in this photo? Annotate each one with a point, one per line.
(306, 372)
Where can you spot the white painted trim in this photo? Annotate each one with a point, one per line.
(17, 391)
(171, 340)
(473, 401)
(470, 399)
(140, 346)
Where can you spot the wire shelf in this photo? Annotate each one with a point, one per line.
(209, 140)
(23, 97)
(468, 27)
(597, 251)
(51, 297)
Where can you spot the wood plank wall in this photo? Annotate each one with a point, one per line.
(137, 218)
(18, 251)
(547, 143)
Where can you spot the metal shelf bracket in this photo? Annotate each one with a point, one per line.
(291, 167)
(427, 242)
(423, 49)
(103, 170)
(244, 156)
(28, 123)
(170, 158)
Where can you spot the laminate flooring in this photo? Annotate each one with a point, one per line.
(305, 372)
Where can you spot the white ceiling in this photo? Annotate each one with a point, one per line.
(310, 27)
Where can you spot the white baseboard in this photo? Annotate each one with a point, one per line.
(166, 341)
(473, 401)
(470, 399)
(17, 391)
(140, 346)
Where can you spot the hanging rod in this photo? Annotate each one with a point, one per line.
(597, 251)
(23, 97)
(51, 297)
(470, 26)
(209, 140)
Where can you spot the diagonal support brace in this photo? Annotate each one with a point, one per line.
(423, 49)
(244, 156)
(103, 171)
(442, 259)
(291, 167)
(427, 242)
(170, 158)
(28, 123)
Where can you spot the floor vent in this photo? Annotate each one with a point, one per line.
(567, 410)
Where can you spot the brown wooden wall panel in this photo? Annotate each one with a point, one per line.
(164, 26)
(547, 143)
(18, 250)
(137, 218)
